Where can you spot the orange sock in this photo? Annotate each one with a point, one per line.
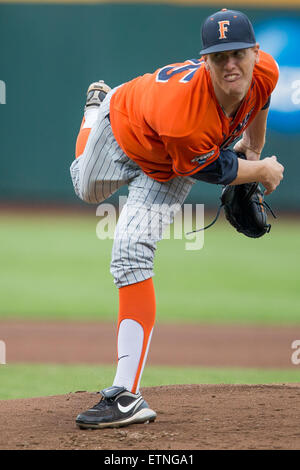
(137, 302)
(82, 139)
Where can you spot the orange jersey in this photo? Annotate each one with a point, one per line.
(170, 122)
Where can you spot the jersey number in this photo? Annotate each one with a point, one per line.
(169, 71)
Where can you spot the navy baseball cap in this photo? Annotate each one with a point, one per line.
(227, 30)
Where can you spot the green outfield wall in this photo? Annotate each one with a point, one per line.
(51, 52)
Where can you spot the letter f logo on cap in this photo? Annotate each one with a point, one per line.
(222, 28)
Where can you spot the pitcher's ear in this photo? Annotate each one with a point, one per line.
(256, 51)
(206, 62)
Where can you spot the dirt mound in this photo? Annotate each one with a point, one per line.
(188, 417)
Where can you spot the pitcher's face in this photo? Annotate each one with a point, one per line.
(231, 71)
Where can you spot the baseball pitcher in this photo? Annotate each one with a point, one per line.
(159, 134)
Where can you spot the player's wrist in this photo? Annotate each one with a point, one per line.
(251, 151)
(253, 141)
(262, 171)
(254, 147)
(255, 150)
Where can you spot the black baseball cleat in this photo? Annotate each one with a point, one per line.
(117, 407)
(96, 93)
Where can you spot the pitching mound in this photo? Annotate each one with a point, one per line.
(188, 417)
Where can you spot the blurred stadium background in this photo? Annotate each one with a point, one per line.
(52, 264)
(51, 51)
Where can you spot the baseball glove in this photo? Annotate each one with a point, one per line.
(245, 209)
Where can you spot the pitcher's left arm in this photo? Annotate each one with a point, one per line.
(254, 137)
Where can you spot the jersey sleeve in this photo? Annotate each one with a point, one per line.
(267, 71)
(221, 171)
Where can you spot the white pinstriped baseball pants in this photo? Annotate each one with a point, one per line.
(99, 172)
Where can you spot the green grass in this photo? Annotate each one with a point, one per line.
(34, 380)
(54, 267)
